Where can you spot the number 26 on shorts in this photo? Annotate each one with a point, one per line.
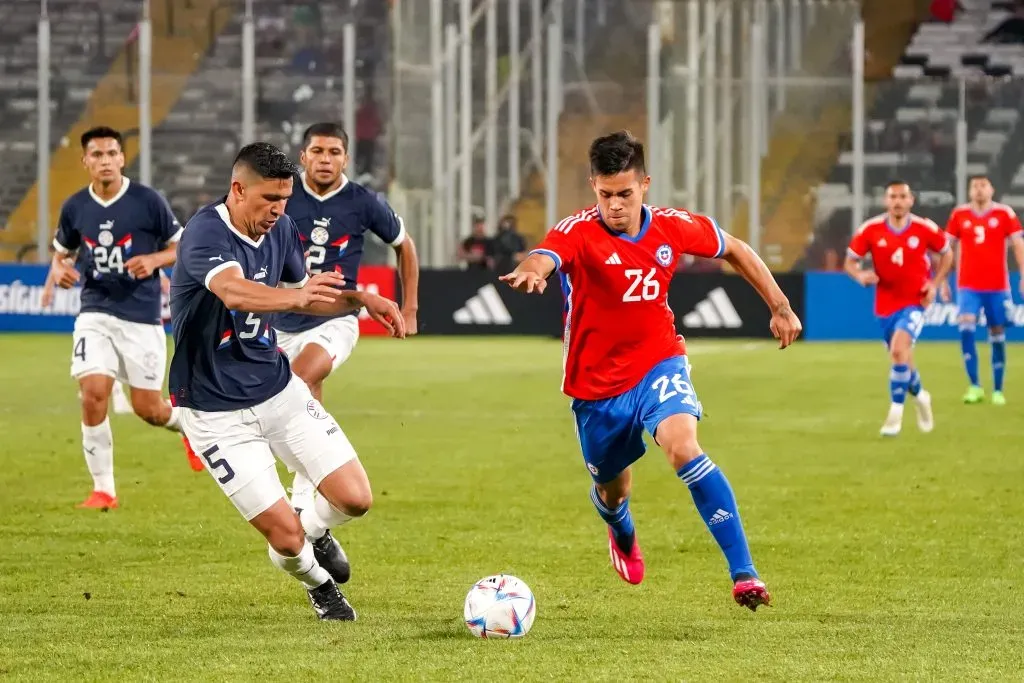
(675, 386)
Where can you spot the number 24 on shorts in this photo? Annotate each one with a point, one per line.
(675, 386)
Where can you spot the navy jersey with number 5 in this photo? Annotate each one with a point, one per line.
(137, 220)
(228, 360)
(333, 230)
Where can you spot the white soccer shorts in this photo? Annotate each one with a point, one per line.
(338, 336)
(238, 446)
(135, 353)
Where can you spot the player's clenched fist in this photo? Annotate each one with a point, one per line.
(65, 274)
(785, 326)
(867, 278)
(385, 311)
(321, 288)
(525, 281)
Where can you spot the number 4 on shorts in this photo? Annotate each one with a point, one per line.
(79, 352)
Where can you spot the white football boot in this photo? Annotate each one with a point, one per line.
(923, 408)
(893, 421)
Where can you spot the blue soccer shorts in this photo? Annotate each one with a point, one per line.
(909, 319)
(611, 430)
(995, 305)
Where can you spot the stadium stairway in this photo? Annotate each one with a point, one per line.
(175, 57)
(616, 80)
(806, 135)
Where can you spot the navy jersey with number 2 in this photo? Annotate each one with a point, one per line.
(228, 360)
(136, 221)
(333, 229)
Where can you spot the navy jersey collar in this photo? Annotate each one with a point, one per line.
(329, 195)
(222, 211)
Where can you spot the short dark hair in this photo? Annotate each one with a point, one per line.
(326, 129)
(616, 153)
(897, 181)
(978, 176)
(102, 133)
(266, 160)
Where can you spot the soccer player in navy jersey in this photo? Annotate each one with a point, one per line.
(333, 215)
(123, 233)
(240, 263)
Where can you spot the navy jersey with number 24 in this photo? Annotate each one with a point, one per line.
(106, 235)
(228, 360)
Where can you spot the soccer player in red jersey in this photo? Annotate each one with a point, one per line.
(899, 244)
(982, 229)
(625, 366)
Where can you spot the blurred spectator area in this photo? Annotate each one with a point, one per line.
(911, 127)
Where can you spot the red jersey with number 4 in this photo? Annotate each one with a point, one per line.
(900, 259)
(618, 324)
(983, 238)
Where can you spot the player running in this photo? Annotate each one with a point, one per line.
(898, 243)
(333, 214)
(240, 262)
(124, 233)
(625, 367)
(982, 229)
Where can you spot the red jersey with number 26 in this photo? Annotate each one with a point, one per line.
(983, 246)
(618, 324)
(900, 259)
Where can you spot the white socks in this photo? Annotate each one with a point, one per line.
(98, 448)
(321, 517)
(303, 567)
(172, 422)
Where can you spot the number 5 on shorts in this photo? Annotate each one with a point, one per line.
(229, 473)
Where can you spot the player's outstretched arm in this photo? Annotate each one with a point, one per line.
(240, 294)
(532, 274)
(409, 276)
(385, 311)
(785, 325)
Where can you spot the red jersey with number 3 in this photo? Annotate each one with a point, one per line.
(618, 324)
(983, 238)
(900, 259)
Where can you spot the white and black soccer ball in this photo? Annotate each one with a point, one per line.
(500, 606)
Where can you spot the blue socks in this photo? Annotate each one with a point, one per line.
(998, 359)
(899, 383)
(619, 519)
(717, 506)
(915, 382)
(970, 352)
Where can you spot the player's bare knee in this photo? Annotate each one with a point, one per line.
(612, 496)
(683, 450)
(151, 411)
(995, 330)
(966, 320)
(286, 535)
(358, 505)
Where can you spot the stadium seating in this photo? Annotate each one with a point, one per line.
(911, 126)
(83, 45)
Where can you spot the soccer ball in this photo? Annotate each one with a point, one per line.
(500, 606)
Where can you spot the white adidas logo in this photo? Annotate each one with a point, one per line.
(719, 517)
(716, 310)
(486, 308)
(614, 260)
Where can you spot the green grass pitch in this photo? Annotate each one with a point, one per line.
(897, 559)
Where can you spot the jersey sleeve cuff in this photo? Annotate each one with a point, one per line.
(720, 235)
(176, 237)
(402, 234)
(60, 247)
(945, 248)
(294, 285)
(550, 254)
(854, 255)
(213, 272)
